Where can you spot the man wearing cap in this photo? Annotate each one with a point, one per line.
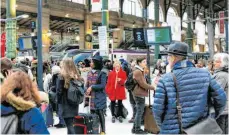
(194, 85)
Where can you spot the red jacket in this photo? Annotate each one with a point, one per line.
(117, 93)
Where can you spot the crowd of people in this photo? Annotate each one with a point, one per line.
(177, 82)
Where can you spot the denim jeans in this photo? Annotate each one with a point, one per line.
(69, 124)
(133, 104)
(60, 111)
(140, 106)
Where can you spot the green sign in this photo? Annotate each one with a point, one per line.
(158, 35)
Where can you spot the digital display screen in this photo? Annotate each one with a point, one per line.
(158, 35)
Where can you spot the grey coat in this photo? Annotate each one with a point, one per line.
(221, 76)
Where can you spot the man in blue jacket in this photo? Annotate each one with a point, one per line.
(195, 85)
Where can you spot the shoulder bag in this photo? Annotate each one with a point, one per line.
(204, 126)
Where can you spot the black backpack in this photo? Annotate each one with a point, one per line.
(130, 82)
(9, 124)
(75, 94)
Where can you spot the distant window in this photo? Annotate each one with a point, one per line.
(132, 7)
(78, 1)
(172, 12)
(185, 18)
(151, 12)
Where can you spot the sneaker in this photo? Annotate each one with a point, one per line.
(56, 125)
(113, 119)
(138, 131)
(60, 126)
(131, 120)
(102, 133)
(120, 119)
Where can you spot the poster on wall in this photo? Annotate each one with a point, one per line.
(103, 42)
(175, 24)
(138, 34)
(113, 5)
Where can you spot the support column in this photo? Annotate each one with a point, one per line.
(45, 36)
(88, 30)
(189, 38)
(226, 27)
(39, 46)
(82, 36)
(210, 28)
(105, 17)
(11, 26)
(156, 14)
(117, 36)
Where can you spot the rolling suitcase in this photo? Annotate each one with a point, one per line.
(124, 111)
(86, 123)
(149, 121)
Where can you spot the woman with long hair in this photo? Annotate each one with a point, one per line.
(68, 111)
(19, 95)
(115, 89)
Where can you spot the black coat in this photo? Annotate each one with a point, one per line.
(68, 109)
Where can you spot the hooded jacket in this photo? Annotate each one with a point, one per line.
(221, 76)
(30, 118)
(141, 88)
(196, 87)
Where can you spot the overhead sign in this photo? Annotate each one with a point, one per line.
(221, 22)
(138, 34)
(103, 42)
(113, 5)
(158, 35)
(25, 43)
(175, 24)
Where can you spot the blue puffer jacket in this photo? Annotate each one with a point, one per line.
(195, 87)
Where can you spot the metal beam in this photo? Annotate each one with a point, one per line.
(28, 22)
(166, 6)
(56, 24)
(216, 2)
(63, 24)
(213, 4)
(183, 8)
(69, 25)
(53, 22)
(29, 19)
(23, 21)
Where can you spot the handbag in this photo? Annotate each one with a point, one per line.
(205, 126)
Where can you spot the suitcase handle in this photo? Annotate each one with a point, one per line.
(89, 103)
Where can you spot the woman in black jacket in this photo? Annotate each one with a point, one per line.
(68, 72)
